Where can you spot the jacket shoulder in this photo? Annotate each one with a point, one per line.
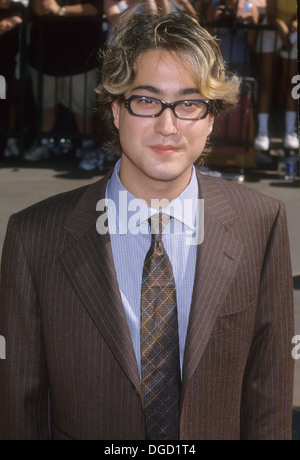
(241, 197)
(60, 204)
(50, 215)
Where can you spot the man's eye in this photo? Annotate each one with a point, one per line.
(147, 102)
(189, 105)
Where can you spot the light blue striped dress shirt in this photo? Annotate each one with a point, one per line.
(131, 239)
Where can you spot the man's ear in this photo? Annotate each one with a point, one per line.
(116, 107)
(210, 124)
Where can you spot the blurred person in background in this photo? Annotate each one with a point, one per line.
(260, 7)
(63, 58)
(204, 9)
(280, 43)
(11, 16)
(113, 9)
(182, 6)
(154, 6)
(234, 41)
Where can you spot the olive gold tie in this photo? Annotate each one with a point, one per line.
(160, 368)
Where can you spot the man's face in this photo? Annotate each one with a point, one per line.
(158, 153)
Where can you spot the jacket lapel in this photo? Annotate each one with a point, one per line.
(89, 265)
(217, 260)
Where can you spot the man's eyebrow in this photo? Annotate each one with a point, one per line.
(151, 89)
(188, 91)
(159, 92)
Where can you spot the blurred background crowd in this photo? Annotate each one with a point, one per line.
(50, 61)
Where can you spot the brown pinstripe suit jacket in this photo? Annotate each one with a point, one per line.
(70, 370)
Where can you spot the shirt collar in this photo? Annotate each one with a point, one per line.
(183, 208)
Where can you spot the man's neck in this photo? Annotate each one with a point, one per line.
(156, 192)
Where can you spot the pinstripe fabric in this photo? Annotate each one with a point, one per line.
(71, 371)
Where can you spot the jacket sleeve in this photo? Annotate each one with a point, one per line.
(267, 399)
(24, 396)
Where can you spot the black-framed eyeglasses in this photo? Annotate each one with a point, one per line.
(150, 107)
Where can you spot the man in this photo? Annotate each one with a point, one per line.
(97, 344)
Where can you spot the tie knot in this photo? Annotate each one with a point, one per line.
(158, 222)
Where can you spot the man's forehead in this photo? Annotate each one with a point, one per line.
(161, 71)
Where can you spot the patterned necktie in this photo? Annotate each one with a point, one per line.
(161, 380)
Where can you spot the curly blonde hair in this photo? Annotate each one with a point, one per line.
(178, 33)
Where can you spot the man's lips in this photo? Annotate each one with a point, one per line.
(165, 149)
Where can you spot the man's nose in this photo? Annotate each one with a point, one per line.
(166, 123)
